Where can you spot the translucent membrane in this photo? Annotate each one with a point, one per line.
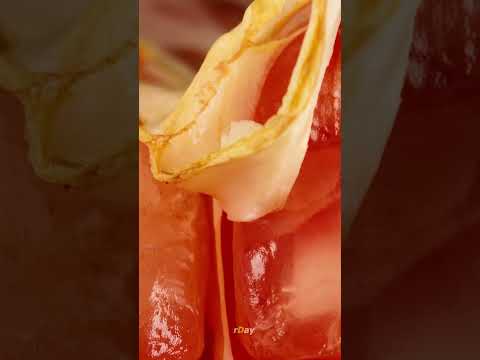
(210, 142)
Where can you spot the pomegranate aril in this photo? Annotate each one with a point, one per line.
(326, 121)
(287, 264)
(276, 82)
(174, 235)
(287, 268)
(326, 118)
(288, 287)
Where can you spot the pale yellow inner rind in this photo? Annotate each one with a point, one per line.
(226, 89)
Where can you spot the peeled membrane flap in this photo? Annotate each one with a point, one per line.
(250, 172)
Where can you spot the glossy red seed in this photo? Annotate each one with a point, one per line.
(287, 264)
(287, 268)
(174, 234)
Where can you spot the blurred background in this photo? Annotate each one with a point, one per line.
(187, 28)
(410, 267)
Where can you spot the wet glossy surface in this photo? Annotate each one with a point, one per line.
(175, 232)
(273, 268)
(286, 265)
(287, 270)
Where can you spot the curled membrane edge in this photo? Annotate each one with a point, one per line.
(262, 166)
